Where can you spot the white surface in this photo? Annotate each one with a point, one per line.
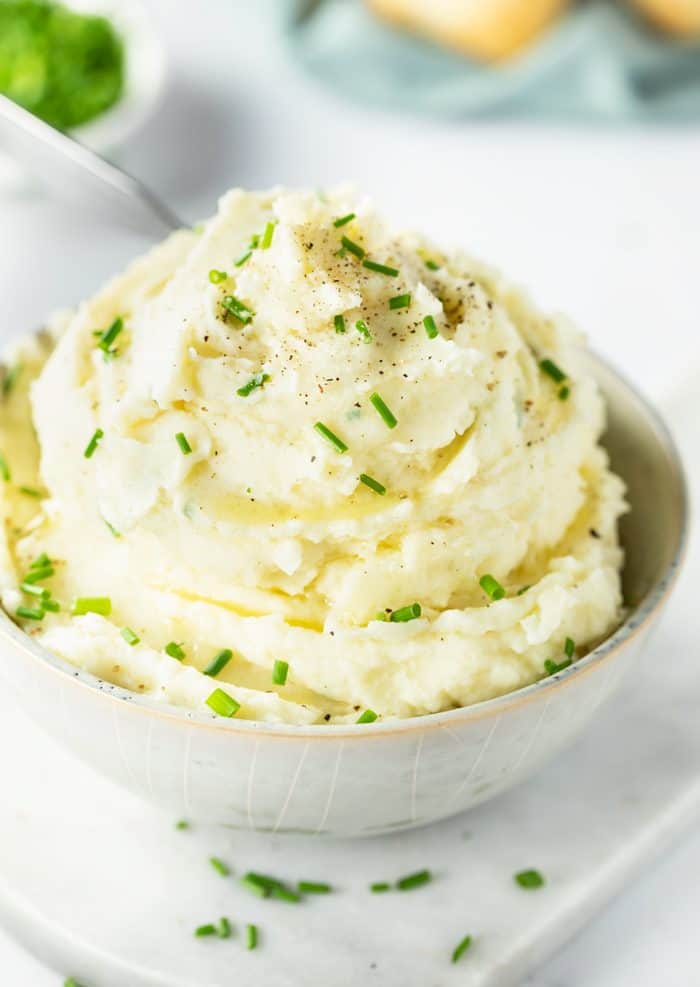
(604, 225)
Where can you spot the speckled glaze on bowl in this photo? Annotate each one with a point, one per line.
(381, 777)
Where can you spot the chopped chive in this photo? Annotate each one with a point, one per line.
(383, 410)
(32, 589)
(529, 879)
(40, 561)
(369, 716)
(254, 241)
(216, 277)
(563, 392)
(92, 604)
(382, 615)
(109, 336)
(175, 651)
(30, 613)
(224, 928)
(431, 328)
(129, 636)
(524, 589)
(265, 886)
(38, 575)
(372, 265)
(379, 887)
(222, 703)
(266, 239)
(71, 982)
(259, 380)
(279, 672)
(243, 258)
(363, 330)
(404, 614)
(551, 667)
(11, 378)
(373, 484)
(339, 323)
(5, 469)
(218, 662)
(51, 605)
(205, 930)
(233, 306)
(461, 948)
(414, 880)
(492, 587)
(331, 437)
(182, 824)
(181, 440)
(283, 893)
(258, 884)
(569, 647)
(251, 936)
(400, 301)
(113, 531)
(314, 887)
(352, 247)
(92, 444)
(219, 866)
(343, 220)
(432, 265)
(31, 492)
(550, 368)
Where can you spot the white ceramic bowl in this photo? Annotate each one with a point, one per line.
(381, 777)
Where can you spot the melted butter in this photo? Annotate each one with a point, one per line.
(246, 674)
(284, 609)
(235, 509)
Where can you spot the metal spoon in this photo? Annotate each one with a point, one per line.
(78, 173)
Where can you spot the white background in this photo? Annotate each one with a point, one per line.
(603, 224)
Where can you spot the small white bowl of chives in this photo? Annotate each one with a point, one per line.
(143, 87)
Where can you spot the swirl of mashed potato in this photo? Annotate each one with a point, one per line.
(305, 423)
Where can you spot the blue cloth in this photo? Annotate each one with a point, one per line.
(598, 63)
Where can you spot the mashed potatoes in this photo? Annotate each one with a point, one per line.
(297, 437)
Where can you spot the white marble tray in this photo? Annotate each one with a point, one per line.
(103, 887)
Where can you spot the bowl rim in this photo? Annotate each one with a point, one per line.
(634, 623)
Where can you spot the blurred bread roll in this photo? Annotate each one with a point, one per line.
(485, 29)
(677, 16)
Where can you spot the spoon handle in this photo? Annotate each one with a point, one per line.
(80, 174)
